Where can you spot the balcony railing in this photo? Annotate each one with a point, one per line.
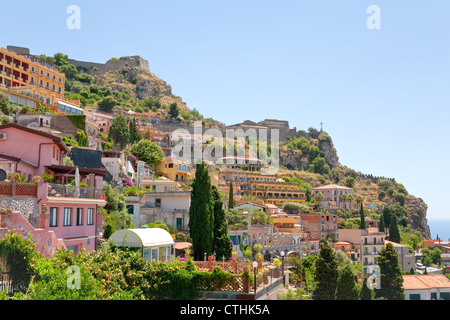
(66, 191)
(18, 189)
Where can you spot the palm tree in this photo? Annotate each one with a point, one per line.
(359, 200)
(350, 198)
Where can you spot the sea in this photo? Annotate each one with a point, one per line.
(439, 227)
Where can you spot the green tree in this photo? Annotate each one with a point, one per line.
(394, 232)
(362, 224)
(347, 288)
(350, 181)
(260, 217)
(366, 293)
(326, 273)
(319, 165)
(69, 70)
(201, 213)
(119, 131)
(231, 197)
(148, 151)
(173, 110)
(221, 245)
(391, 286)
(134, 132)
(381, 227)
(107, 104)
(82, 138)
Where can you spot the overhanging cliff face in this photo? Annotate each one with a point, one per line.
(417, 215)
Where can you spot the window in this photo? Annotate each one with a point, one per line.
(415, 296)
(53, 216)
(158, 203)
(90, 218)
(130, 208)
(170, 165)
(445, 295)
(79, 216)
(67, 213)
(433, 296)
(179, 223)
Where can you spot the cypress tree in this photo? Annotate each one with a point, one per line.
(391, 276)
(326, 273)
(347, 288)
(221, 243)
(366, 293)
(363, 221)
(381, 227)
(230, 197)
(394, 232)
(134, 133)
(201, 213)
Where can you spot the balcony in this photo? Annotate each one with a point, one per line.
(66, 191)
(18, 189)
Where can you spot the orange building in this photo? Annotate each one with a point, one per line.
(32, 81)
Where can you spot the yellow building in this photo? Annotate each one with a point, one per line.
(31, 81)
(174, 169)
(277, 192)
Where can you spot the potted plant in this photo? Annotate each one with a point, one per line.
(259, 257)
(265, 273)
(3, 215)
(276, 263)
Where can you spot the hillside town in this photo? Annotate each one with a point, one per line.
(75, 188)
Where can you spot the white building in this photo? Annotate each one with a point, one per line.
(156, 243)
(426, 287)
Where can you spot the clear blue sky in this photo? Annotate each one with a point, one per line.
(383, 95)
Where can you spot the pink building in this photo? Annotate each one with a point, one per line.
(55, 214)
(28, 151)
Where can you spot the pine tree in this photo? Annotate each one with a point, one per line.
(221, 245)
(366, 293)
(394, 232)
(391, 276)
(326, 273)
(201, 213)
(347, 288)
(363, 221)
(119, 131)
(230, 197)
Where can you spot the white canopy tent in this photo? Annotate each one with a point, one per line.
(156, 243)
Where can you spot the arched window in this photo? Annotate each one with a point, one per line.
(2, 175)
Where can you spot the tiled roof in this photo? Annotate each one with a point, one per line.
(332, 186)
(425, 281)
(58, 141)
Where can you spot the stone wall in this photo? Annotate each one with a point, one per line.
(27, 206)
(113, 65)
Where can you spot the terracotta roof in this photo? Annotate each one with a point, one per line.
(341, 243)
(182, 245)
(425, 281)
(332, 186)
(56, 139)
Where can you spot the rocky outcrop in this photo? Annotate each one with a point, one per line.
(330, 153)
(293, 160)
(417, 215)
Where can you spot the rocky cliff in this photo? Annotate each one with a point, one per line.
(417, 215)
